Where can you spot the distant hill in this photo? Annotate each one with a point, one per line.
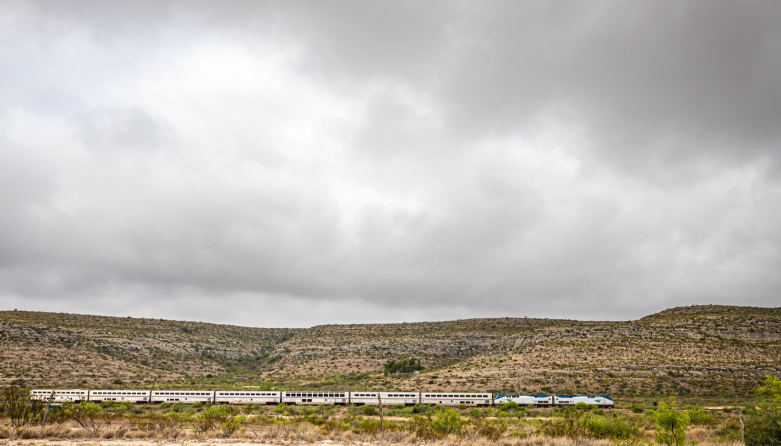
(713, 352)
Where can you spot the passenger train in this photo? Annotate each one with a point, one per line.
(312, 397)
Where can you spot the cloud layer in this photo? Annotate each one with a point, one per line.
(297, 163)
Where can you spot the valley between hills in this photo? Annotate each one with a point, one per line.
(707, 355)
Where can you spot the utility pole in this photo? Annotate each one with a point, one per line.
(46, 414)
(382, 420)
(742, 427)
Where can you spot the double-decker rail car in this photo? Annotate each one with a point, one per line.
(595, 400)
(314, 398)
(182, 396)
(388, 398)
(525, 400)
(454, 399)
(243, 397)
(60, 395)
(122, 396)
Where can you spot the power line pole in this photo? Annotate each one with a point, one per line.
(382, 420)
(46, 414)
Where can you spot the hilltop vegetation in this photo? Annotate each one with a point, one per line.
(715, 353)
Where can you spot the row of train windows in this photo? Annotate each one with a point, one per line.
(455, 396)
(397, 395)
(365, 394)
(58, 392)
(119, 393)
(245, 394)
(315, 395)
(181, 393)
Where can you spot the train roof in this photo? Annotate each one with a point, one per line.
(587, 396)
(533, 396)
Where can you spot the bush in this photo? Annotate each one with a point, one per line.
(508, 406)
(700, 417)
(371, 427)
(569, 426)
(448, 422)
(763, 426)
(670, 424)
(207, 419)
(490, 429)
(369, 410)
(87, 415)
(637, 408)
(583, 406)
(231, 425)
(608, 427)
(423, 427)
(20, 408)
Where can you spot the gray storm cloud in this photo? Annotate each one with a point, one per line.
(296, 163)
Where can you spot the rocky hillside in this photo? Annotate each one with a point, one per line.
(72, 348)
(704, 351)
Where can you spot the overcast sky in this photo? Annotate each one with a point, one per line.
(300, 163)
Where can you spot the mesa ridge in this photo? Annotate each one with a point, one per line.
(719, 353)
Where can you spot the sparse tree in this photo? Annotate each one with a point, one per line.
(670, 424)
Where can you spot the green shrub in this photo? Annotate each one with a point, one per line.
(670, 424)
(231, 425)
(369, 410)
(763, 424)
(491, 429)
(368, 426)
(637, 408)
(608, 427)
(423, 427)
(700, 417)
(730, 431)
(583, 406)
(508, 406)
(448, 422)
(566, 426)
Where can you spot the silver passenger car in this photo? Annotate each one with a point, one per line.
(60, 395)
(455, 399)
(182, 396)
(315, 397)
(245, 397)
(388, 398)
(123, 396)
